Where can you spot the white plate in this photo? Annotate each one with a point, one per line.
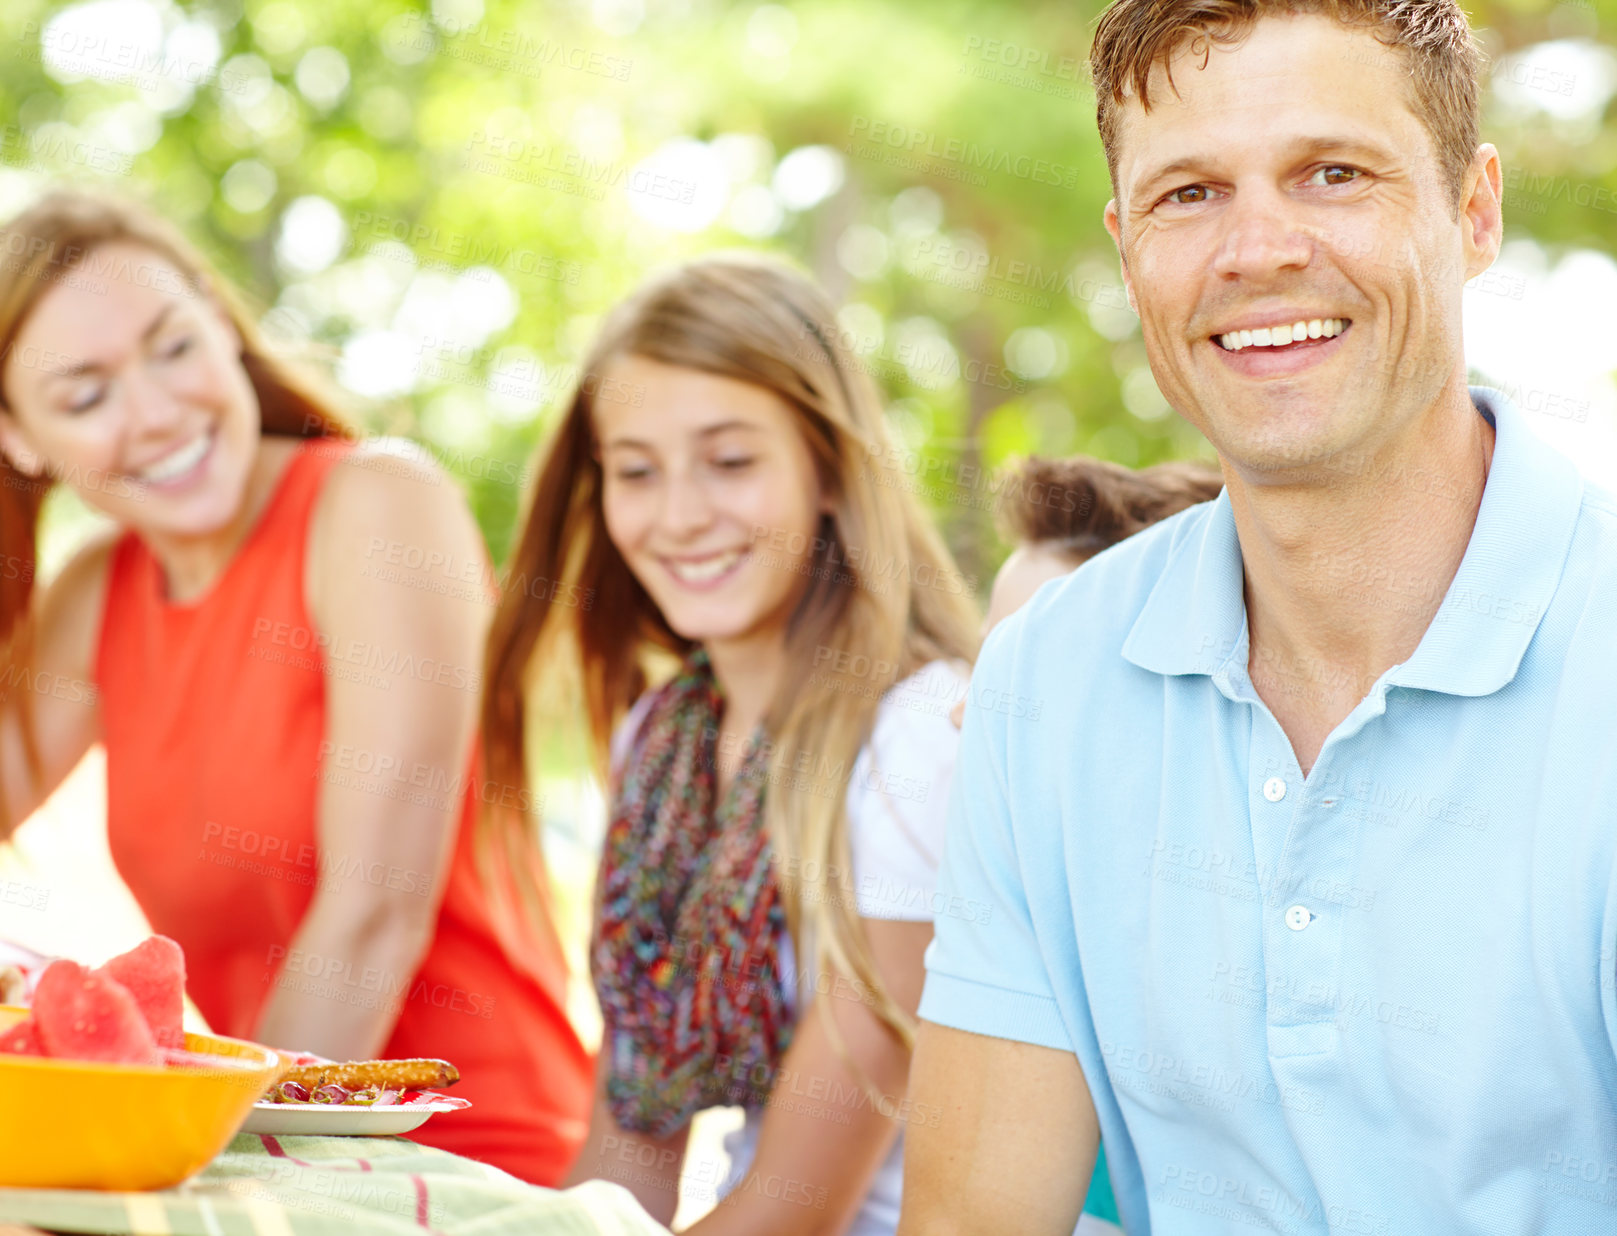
(317, 1120)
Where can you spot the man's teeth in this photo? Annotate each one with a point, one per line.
(706, 570)
(178, 463)
(1280, 336)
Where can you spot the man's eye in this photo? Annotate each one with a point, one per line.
(1190, 195)
(1335, 174)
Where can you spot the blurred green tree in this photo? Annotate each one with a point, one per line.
(446, 197)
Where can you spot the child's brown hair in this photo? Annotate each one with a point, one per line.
(1080, 505)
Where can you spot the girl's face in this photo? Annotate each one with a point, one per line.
(128, 387)
(711, 496)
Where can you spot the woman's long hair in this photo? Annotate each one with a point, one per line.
(57, 240)
(881, 587)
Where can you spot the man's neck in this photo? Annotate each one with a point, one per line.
(1343, 579)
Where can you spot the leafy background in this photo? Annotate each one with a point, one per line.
(447, 197)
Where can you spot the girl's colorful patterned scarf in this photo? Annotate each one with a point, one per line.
(688, 922)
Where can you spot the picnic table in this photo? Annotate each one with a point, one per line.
(261, 1185)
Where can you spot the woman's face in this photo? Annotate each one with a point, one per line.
(128, 386)
(711, 496)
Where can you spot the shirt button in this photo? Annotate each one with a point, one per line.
(1298, 917)
(1274, 789)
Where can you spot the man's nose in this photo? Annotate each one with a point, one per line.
(1263, 237)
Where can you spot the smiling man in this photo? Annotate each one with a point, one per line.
(1304, 880)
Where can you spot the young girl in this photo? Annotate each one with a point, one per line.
(284, 702)
(765, 893)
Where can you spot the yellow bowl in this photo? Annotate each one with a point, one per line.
(70, 1124)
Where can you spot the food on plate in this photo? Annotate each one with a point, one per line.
(393, 1074)
(84, 1015)
(331, 1095)
(129, 1010)
(153, 972)
(13, 986)
(363, 1083)
(369, 1082)
(125, 1012)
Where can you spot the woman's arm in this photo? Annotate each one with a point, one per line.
(58, 684)
(649, 1167)
(823, 1138)
(398, 590)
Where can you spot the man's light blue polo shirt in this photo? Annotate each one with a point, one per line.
(1381, 999)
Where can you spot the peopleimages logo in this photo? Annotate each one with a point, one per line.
(416, 781)
(859, 561)
(289, 637)
(337, 978)
(270, 854)
(923, 144)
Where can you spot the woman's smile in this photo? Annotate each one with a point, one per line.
(180, 467)
(707, 572)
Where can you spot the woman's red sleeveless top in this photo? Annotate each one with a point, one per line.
(214, 721)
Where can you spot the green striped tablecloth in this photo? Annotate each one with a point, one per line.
(337, 1186)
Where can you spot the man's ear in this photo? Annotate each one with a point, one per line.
(1482, 212)
(1114, 225)
(14, 446)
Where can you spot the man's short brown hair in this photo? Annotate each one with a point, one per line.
(1134, 36)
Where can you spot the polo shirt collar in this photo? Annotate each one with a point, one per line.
(1195, 617)
(1194, 621)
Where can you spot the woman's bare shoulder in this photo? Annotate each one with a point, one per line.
(67, 610)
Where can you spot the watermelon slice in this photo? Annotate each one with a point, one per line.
(83, 1015)
(154, 973)
(22, 1039)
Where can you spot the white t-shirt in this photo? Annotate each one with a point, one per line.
(898, 793)
(897, 796)
(897, 802)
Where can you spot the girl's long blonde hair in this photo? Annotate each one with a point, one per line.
(883, 596)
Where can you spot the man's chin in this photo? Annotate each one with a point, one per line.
(1285, 435)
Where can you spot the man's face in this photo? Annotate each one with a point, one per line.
(1291, 182)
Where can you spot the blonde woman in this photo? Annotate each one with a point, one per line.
(765, 894)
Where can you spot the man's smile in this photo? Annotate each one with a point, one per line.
(1285, 333)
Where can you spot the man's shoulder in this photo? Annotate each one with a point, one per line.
(1600, 505)
(1592, 555)
(1093, 608)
